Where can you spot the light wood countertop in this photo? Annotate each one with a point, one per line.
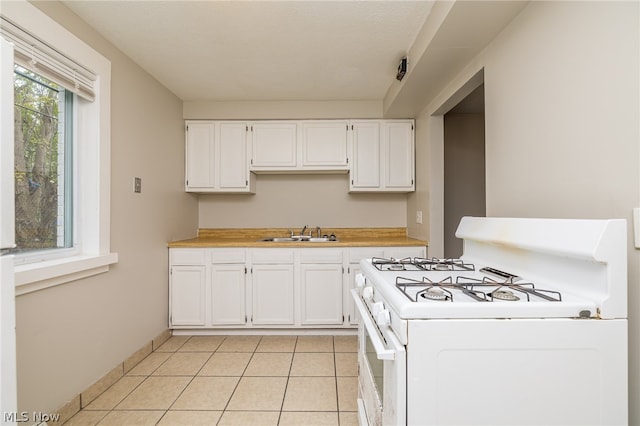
(347, 237)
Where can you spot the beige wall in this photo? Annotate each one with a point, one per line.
(562, 135)
(292, 201)
(71, 335)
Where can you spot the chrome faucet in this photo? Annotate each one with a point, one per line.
(318, 232)
(303, 229)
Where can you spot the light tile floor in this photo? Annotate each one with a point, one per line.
(235, 380)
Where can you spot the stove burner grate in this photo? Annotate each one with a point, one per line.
(509, 286)
(421, 264)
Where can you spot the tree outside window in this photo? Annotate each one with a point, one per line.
(43, 148)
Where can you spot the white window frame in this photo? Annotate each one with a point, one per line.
(92, 177)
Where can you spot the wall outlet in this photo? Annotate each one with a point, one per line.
(419, 216)
(137, 185)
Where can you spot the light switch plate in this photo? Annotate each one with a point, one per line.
(137, 184)
(419, 216)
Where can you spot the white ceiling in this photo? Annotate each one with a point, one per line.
(263, 50)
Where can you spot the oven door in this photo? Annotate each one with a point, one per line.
(382, 371)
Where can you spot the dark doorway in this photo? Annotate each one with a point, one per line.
(464, 166)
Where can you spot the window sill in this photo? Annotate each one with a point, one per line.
(37, 276)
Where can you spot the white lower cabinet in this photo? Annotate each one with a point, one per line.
(187, 288)
(188, 295)
(272, 288)
(268, 287)
(321, 287)
(228, 295)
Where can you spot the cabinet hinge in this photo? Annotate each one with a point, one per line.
(246, 183)
(252, 127)
(343, 318)
(245, 269)
(252, 161)
(187, 127)
(245, 318)
(352, 127)
(343, 270)
(347, 160)
(351, 181)
(348, 269)
(412, 127)
(246, 127)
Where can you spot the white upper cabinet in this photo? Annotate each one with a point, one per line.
(216, 157)
(383, 156)
(324, 144)
(200, 157)
(397, 139)
(274, 145)
(222, 156)
(299, 146)
(365, 169)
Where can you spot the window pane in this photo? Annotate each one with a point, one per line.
(42, 152)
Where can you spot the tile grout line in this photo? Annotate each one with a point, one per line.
(286, 386)
(192, 377)
(239, 379)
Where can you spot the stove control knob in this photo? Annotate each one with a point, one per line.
(367, 292)
(376, 308)
(360, 281)
(383, 318)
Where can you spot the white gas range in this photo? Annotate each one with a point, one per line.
(528, 327)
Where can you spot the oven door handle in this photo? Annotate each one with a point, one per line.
(381, 351)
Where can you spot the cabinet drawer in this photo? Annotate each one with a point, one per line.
(228, 256)
(187, 256)
(357, 254)
(272, 256)
(320, 255)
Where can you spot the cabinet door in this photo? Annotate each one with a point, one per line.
(365, 167)
(228, 295)
(200, 156)
(274, 145)
(232, 167)
(324, 143)
(272, 294)
(321, 294)
(187, 296)
(399, 155)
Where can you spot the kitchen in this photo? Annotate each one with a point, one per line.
(561, 129)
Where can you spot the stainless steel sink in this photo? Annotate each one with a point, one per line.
(304, 239)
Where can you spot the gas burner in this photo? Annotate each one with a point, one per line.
(504, 295)
(433, 293)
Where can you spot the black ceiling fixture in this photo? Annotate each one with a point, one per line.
(402, 69)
